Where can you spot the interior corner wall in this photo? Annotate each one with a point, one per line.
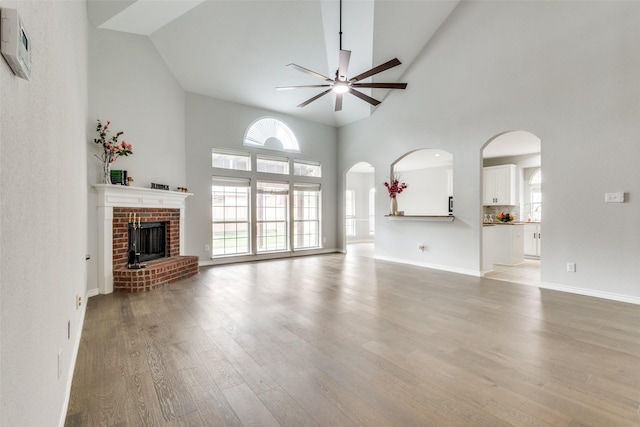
(131, 86)
(216, 123)
(43, 211)
(567, 72)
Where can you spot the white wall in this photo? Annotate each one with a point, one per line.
(426, 192)
(215, 123)
(130, 85)
(567, 72)
(43, 214)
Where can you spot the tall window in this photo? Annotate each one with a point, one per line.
(306, 216)
(372, 212)
(230, 216)
(350, 212)
(272, 216)
(536, 195)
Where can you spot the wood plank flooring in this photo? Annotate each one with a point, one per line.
(346, 340)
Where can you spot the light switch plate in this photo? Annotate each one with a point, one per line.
(614, 197)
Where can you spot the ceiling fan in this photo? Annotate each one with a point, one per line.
(341, 84)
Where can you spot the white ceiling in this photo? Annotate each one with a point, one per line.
(237, 50)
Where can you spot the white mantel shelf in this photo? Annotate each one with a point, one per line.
(121, 196)
(131, 197)
(428, 218)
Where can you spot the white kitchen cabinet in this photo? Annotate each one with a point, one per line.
(508, 241)
(532, 240)
(499, 185)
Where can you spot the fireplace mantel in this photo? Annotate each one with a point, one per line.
(138, 197)
(110, 196)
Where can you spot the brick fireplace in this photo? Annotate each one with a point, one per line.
(115, 205)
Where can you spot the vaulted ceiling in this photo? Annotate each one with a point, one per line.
(237, 50)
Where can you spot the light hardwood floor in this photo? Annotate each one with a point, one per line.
(347, 340)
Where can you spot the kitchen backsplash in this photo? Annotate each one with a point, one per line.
(492, 211)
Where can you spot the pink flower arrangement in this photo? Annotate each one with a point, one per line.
(395, 187)
(111, 148)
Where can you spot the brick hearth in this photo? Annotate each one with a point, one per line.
(158, 272)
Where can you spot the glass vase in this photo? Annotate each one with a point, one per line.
(106, 173)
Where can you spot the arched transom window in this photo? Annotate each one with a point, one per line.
(272, 134)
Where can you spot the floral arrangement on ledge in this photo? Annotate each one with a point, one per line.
(505, 217)
(111, 148)
(395, 187)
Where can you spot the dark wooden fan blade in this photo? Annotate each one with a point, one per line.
(364, 97)
(380, 68)
(382, 85)
(343, 66)
(338, 102)
(311, 73)
(310, 100)
(298, 87)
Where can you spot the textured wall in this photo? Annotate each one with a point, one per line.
(43, 140)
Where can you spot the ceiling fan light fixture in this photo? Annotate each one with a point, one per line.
(341, 87)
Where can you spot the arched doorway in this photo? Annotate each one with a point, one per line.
(359, 209)
(512, 165)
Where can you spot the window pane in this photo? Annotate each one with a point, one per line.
(272, 165)
(230, 160)
(307, 169)
(272, 210)
(306, 216)
(230, 216)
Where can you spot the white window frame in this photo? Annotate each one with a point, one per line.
(350, 213)
(232, 159)
(275, 200)
(306, 216)
(270, 164)
(303, 167)
(230, 216)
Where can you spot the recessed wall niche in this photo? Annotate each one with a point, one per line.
(428, 174)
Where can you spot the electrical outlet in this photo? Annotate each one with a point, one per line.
(206, 248)
(614, 197)
(421, 248)
(571, 267)
(78, 301)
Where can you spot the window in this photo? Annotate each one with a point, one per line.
(536, 195)
(272, 165)
(372, 212)
(304, 168)
(230, 160)
(306, 216)
(272, 216)
(272, 134)
(350, 212)
(230, 216)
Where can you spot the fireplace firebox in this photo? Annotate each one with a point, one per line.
(148, 240)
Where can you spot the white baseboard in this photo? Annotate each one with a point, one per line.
(591, 293)
(72, 365)
(448, 268)
(93, 292)
(264, 257)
